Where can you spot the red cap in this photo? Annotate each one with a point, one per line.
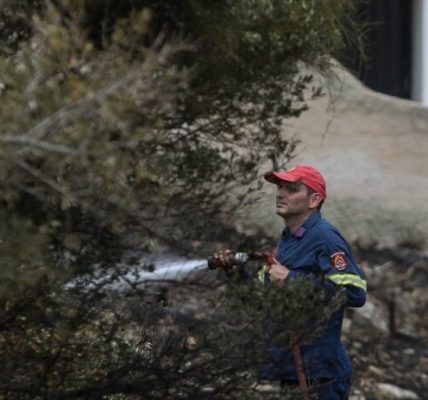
(306, 174)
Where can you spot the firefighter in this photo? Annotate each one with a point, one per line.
(310, 246)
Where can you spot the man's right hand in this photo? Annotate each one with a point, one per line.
(225, 257)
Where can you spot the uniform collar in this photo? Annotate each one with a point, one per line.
(302, 229)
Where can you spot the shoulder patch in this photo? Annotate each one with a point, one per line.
(339, 261)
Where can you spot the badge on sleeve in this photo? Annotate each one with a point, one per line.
(339, 261)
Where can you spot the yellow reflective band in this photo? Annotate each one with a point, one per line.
(348, 279)
(261, 274)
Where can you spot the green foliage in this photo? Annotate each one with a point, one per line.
(23, 254)
(75, 117)
(153, 110)
(297, 309)
(269, 35)
(55, 347)
(137, 346)
(128, 125)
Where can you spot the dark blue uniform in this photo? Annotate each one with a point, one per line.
(318, 250)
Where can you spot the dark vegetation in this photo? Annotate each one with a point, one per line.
(129, 128)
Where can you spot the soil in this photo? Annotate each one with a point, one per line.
(390, 348)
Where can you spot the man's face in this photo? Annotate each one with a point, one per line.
(293, 199)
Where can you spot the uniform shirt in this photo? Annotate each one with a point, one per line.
(317, 250)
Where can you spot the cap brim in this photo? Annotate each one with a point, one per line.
(276, 177)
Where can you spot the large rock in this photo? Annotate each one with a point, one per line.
(372, 149)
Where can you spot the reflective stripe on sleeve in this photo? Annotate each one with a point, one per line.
(261, 273)
(348, 279)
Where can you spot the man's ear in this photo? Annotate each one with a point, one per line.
(314, 200)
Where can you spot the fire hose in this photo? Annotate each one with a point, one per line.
(241, 258)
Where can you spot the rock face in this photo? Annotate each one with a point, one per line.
(372, 149)
(395, 392)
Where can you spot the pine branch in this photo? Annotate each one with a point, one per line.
(40, 144)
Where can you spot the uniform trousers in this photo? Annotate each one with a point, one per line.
(325, 389)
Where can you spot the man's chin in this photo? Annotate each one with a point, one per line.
(281, 212)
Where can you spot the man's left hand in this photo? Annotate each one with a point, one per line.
(277, 272)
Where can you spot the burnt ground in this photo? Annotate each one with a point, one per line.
(388, 338)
